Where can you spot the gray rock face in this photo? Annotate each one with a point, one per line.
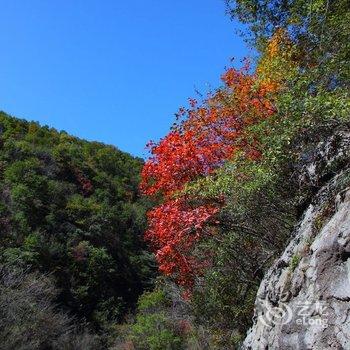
(304, 300)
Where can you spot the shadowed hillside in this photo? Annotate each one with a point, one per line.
(71, 208)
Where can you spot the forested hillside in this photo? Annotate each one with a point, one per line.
(69, 210)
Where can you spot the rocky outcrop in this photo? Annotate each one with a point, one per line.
(304, 300)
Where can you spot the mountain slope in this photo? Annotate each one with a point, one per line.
(71, 208)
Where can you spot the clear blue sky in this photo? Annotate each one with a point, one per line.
(111, 70)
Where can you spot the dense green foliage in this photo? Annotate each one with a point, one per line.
(320, 29)
(71, 208)
(152, 329)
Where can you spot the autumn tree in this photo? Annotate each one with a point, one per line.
(205, 136)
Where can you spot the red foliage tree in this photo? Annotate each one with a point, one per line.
(84, 183)
(174, 228)
(203, 139)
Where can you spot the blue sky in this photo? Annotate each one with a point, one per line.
(110, 70)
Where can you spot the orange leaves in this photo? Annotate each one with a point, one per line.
(279, 45)
(252, 97)
(277, 63)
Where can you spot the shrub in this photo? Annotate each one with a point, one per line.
(29, 319)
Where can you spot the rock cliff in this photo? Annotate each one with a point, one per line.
(304, 300)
